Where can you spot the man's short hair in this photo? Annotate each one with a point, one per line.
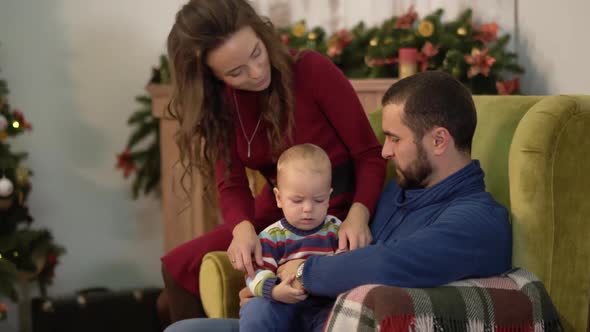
(435, 98)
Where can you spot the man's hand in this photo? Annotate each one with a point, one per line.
(244, 245)
(288, 269)
(283, 292)
(245, 296)
(354, 232)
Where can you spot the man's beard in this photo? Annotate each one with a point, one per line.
(416, 173)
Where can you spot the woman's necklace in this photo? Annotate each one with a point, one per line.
(248, 140)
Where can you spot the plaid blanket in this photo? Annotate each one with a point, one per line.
(513, 302)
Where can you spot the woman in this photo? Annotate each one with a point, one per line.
(241, 98)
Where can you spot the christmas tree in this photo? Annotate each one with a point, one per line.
(26, 254)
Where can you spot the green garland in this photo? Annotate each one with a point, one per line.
(25, 253)
(473, 54)
(141, 157)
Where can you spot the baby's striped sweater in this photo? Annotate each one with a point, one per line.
(282, 242)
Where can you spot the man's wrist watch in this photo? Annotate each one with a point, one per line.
(299, 274)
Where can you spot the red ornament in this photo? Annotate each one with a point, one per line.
(406, 20)
(18, 115)
(486, 32)
(52, 258)
(508, 87)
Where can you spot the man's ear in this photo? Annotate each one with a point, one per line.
(275, 190)
(441, 139)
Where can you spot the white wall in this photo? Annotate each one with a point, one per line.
(74, 68)
(553, 46)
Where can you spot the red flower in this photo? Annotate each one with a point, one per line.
(406, 20)
(427, 52)
(125, 162)
(486, 32)
(338, 42)
(3, 307)
(508, 87)
(480, 62)
(52, 258)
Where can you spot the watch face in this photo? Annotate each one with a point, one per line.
(299, 271)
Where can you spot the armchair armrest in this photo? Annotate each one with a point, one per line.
(515, 301)
(219, 286)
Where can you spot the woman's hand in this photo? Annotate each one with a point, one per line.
(244, 245)
(355, 232)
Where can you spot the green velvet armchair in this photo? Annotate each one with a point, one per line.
(536, 156)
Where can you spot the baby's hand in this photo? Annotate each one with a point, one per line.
(285, 293)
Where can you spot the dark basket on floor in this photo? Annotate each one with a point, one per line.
(98, 309)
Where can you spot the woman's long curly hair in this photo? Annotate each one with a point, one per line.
(198, 99)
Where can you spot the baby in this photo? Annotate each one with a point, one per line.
(304, 177)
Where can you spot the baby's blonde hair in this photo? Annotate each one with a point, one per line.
(319, 162)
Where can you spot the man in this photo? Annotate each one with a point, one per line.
(435, 223)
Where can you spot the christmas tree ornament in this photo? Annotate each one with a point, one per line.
(299, 30)
(508, 87)
(22, 175)
(406, 20)
(3, 310)
(3, 123)
(462, 31)
(486, 33)
(6, 187)
(426, 28)
(408, 61)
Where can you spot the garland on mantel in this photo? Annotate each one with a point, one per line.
(474, 54)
